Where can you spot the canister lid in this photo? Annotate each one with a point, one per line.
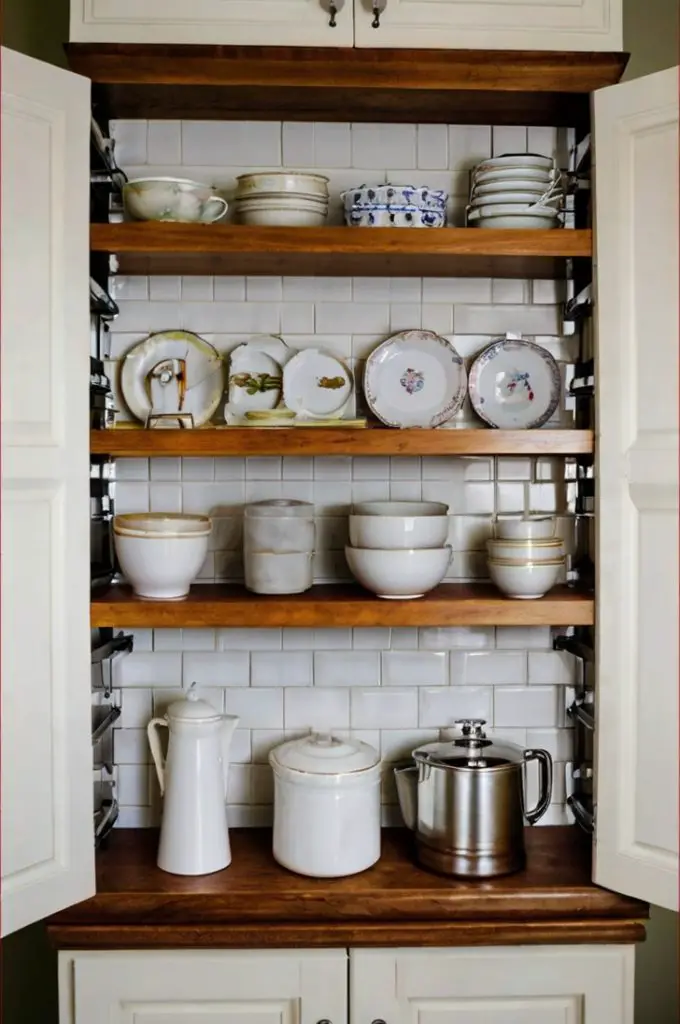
(472, 749)
(192, 709)
(279, 507)
(323, 754)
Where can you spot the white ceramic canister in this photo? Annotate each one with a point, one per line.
(326, 805)
(267, 572)
(278, 526)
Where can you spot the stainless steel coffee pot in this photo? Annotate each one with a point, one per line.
(465, 801)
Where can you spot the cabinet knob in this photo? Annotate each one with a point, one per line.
(378, 6)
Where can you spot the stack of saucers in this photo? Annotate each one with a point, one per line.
(517, 190)
(281, 198)
(395, 206)
(525, 559)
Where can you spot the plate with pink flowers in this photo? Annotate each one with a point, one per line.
(415, 379)
(515, 384)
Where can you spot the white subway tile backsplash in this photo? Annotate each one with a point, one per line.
(468, 145)
(443, 706)
(228, 668)
(298, 144)
(131, 141)
(332, 145)
(164, 142)
(247, 144)
(197, 289)
(257, 708)
(414, 668)
(366, 638)
(552, 668)
(355, 668)
(495, 668)
(399, 744)
(510, 290)
(558, 742)
(281, 668)
(520, 319)
(451, 637)
(523, 637)
(384, 708)
(133, 785)
(236, 639)
(384, 145)
(353, 318)
(263, 741)
(130, 746)
(531, 707)
(509, 139)
(313, 708)
(161, 289)
(136, 709)
(147, 670)
(432, 147)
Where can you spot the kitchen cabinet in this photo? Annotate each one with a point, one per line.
(445, 24)
(296, 987)
(222, 22)
(481, 24)
(504, 985)
(45, 521)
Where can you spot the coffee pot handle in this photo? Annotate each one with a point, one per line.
(156, 750)
(545, 787)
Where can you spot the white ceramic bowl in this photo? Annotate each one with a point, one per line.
(526, 550)
(399, 574)
(281, 181)
(527, 528)
(269, 573)
(172, 524)
(282, 215)
(400, 508)
(511, 215)
(398, 532)
(526, 582)
(161, 567)
(172, 199)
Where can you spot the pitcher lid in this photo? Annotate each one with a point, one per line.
(192, 709)
(472, 749)
(321, 753)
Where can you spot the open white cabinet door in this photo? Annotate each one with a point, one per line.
(47, 829)
(636, 155)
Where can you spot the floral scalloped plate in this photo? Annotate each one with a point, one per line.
(515, 385)
(415, 379)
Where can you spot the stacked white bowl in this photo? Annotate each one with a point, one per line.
(525, 558)
(398, 549)
(281, 199)
(161, 553)
(516, 190)
(278, 546)
(394, 206)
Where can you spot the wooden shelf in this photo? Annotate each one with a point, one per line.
(450, 604)
(164, 248)
(240, 441)
(340, 84)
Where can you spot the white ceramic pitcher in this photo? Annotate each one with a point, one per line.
(193, 780)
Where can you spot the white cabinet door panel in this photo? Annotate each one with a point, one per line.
(636, 136)
(496, 985)
(221, 22)
(208, 986)
(47, 830)
(492, 24)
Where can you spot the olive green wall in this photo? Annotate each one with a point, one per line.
(38, 27)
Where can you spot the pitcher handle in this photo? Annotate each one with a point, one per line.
(156, 751)
(545, 788)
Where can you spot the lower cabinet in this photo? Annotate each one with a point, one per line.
(492, 985)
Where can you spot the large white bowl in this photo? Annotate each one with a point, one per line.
(281, 181)
(399, 575)
(526, 550)
(526, 582)
(173, 199)
(398, 532)
(274, 214)
(161, 567)
(400, 508)
(527, 528)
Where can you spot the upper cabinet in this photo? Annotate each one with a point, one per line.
(431, 24)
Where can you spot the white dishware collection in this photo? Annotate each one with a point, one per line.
(525, 558)
(281, 199)
(278, 546)
(516, 190)
(161, 553)
(193, 780)
(398, 549)
(326, 805)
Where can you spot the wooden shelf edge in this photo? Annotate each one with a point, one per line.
(242, 441)
(340, 605)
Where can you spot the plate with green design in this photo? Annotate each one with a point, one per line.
(255, 380)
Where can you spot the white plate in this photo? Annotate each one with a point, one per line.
(517, 198)
(255, 380)
(203, 368)
(317, 383)
(505, 185)
(514, 385)
(415, 379)
(529, 220)
(543, 163)
(514, 174)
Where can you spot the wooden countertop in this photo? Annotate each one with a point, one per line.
(256, 903)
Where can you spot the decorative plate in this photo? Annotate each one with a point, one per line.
(415, 379)
(317, 383)
(515, 385)
(255, 380)
(173, 372)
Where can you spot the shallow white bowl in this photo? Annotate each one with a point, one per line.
(172, 199)
(501, 216)
(281, 181)
(399, 574)
(160, 567)
(526, 582)
(398, 532)
(276, 215)
(270, 573)
(166, 524)
(400, 508)
(526, 550)
(528, 528)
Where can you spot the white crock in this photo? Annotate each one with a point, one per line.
(326, 806)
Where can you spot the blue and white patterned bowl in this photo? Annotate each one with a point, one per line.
(421, 197)
(394, 217)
